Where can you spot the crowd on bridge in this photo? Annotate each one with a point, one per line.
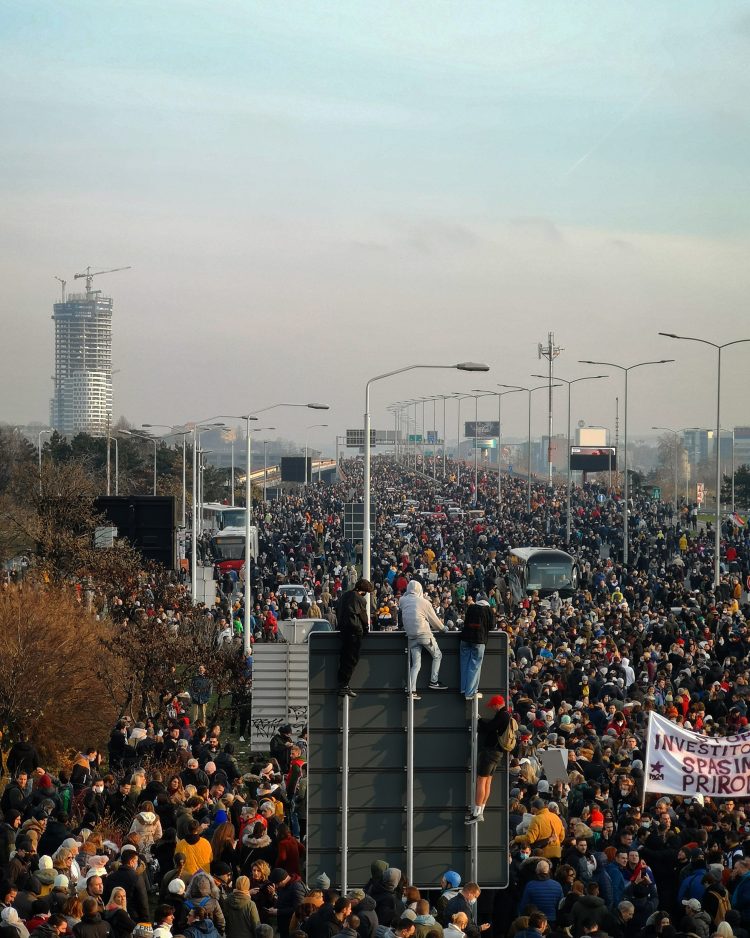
(164, 832)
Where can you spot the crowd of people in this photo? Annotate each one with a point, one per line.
(195, 843)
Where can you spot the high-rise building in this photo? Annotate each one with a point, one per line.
(82, 401)
(696, 444)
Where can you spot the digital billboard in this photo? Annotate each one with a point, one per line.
(483, 428)
(593, 458)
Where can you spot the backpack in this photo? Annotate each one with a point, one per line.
(723, 905)
(508, 738)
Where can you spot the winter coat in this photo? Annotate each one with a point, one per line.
(199, 894)
(365, 909)
(697, 923)
(386, 902)
(417, 614)
(198, 853)
(546, 826)
(287, 899)
(135, 891)
(543, 894)
(322, 924)
(588, 908)
(92, 926)
(148, 827)
(120, 922)
(424, 924)
(204, 929)
(241, 916)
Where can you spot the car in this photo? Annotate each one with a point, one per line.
(294, 591)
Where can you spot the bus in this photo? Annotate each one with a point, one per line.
(228, 548)
(217, 517)
(542, 570)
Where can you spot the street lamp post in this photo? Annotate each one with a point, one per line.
(312, 426)
(366, 545)
(529, 391)
(567, 458)
(39, 450)
(626, 369)
(177, 431)
(719, 348)
(676, 434)
(500, 395)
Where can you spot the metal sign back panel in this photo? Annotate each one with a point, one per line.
(378, 758)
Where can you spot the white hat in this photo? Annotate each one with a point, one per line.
(45, 863)
(61, 881)
(10, 916)
(176, 887)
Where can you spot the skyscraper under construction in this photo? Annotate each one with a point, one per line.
(82, 401)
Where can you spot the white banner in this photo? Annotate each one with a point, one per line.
(681, 762)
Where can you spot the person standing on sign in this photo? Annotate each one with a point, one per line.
(353, 622)
(419, 618)
(477, 624)
(495, 737)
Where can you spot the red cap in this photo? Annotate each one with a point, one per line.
(497, 701)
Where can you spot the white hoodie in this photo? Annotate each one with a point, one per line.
(417, 613)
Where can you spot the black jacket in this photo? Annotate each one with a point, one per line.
(352, 613)
(491, 730)
(322, 924)
(135, 891)
(92, 926)
(477, 624)
(120, 922)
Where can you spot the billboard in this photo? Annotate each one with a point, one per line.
(482, 428)
(591, 436)
(432, 437)
(354, 520)
(149, 522)
(296, 468)
(379, 757)
(593, 458)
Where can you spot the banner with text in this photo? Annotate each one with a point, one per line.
(682, 762)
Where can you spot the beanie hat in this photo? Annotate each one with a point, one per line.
(452, 878)
(61, 881)
(497, 701)
(176, 887)
(277, 876)
(409, 914)
(242, 884)
(45, 863)
(391, 876)
(377, 868)
(221, 817)
(10, 916)
(322, 882)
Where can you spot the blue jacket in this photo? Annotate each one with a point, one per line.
(741, 898)
(544, 894)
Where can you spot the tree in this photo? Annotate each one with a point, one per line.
(741, 487)
(670, 465)
(49, 685)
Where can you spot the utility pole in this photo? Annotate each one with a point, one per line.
(550, 351)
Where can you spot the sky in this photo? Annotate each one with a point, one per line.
(312, 194)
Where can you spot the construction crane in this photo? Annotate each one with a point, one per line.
(89, 275)
(63, 282)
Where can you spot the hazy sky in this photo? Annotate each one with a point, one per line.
(313, 193)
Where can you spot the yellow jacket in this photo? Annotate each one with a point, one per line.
(198, 855)
(546, 826)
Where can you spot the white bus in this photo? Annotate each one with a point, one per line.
(542, 570)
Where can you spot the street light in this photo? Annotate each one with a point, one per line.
(529, 391)
(177, 431)
(718, 444)
(569, 474)
(500, 395)
(719, 348)
(39, 450)
(145, 436)
(265, 459)
(461, 366)
(313, 426)
(626, 369)
(676, 434)
(249, 508)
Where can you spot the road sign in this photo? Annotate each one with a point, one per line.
(415, 437)
(379, 757)
(354, 520)
(656, 493)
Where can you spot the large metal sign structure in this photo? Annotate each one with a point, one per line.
(390, 777)
(354, 520)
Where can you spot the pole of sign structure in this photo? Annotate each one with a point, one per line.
(154, 467)
(443, 438)
(434, 443)
(248, 523)
(265, 464)
(345, 796)
(458, 442)
(499, 452)
(625, 519)
(409, 780)
(194, 525)
(232, 471)
(733, 470)
(117, 469)
(184, 453)
(476, 450)
(528, 468)
(474, 827)
(717, 533)
(366, 533)
(569, 475)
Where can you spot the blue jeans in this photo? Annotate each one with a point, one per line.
(471, 667)
(415, 660)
